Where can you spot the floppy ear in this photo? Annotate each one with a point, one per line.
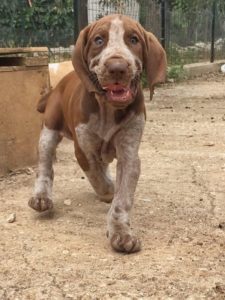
(155, 62)
(79, 60)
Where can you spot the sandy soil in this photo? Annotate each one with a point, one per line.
(179, 213)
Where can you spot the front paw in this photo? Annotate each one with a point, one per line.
(107, 198)
(40, 203)
(124, 242)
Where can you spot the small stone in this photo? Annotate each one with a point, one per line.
(146, 200)
(209, 144)
(199, 243)
(221, 225)
(29, 171)
(65, 252)
(111, 282)
(67, 202)
(11, 218)
(186, 240)
(220, 288)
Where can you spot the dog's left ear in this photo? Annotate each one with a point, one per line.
(155, 62)
(79, 60)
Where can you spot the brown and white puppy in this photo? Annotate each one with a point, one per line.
(100, 106)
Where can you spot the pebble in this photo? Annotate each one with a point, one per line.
(65, 252)
(67, 202)
(209, 144)
(29, 171)
(221, 225)
(11, 218)
(199, 243)
(146, 200)
(186, 240)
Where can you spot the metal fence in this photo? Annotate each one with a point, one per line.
(191, 33)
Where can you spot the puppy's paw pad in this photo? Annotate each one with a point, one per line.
(125, 243)
(40, 203)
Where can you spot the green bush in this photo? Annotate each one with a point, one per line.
(46, 22)
(176, 73)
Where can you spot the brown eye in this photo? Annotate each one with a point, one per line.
(134, 40)
(99, 41)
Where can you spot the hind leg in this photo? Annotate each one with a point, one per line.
(42, 198)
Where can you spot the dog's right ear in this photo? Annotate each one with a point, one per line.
(79, 60)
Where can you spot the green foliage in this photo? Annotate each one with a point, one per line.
(191, 5)
(177, 56)
(46, 21)
(176, 73)
(144, 80)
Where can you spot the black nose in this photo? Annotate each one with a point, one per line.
(117, 68)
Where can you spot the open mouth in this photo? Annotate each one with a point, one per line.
(118, 93)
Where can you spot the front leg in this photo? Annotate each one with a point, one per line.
(127, 144)
(42, 198)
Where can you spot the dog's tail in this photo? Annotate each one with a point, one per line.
(43, 102)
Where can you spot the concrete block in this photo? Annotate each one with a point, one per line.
(198, 69)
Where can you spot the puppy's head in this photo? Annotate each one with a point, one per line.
(111, 54)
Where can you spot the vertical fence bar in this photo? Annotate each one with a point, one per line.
(212, 56)
(163, 24)
(75, 21)
(80, 16)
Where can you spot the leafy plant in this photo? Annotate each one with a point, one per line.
(176, 73)
(44, 22)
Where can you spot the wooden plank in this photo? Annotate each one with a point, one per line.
(23, 50)
(35, 61)
(22, 68)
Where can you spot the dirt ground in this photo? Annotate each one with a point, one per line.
(179, 214)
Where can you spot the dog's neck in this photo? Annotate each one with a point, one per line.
(103, 118)
(109, 119)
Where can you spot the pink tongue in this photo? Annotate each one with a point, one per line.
(118, 93)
